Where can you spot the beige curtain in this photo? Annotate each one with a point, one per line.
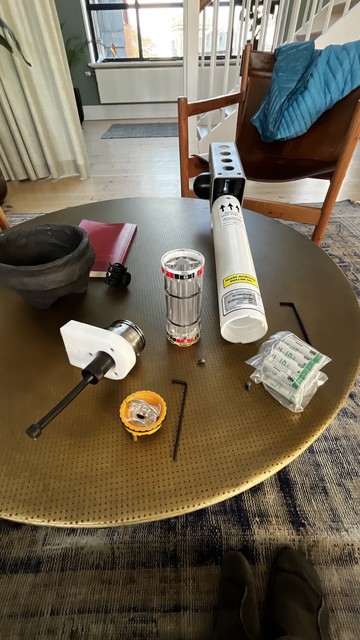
(40, 131)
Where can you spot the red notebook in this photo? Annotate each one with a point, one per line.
(111, 243)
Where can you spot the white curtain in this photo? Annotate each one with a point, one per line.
(40, 131)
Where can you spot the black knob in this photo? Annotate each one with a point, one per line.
(202, 186)
(117, 275)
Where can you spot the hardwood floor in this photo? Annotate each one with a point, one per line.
(146, 167)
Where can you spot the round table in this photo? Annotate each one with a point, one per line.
(86, 470)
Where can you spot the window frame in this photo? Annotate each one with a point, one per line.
(118, 6)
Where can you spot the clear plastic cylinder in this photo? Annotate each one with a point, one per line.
(183, 279)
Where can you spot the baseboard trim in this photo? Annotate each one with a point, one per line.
(156, 111)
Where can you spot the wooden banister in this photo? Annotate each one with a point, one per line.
(204, 4)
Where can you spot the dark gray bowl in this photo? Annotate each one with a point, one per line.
(45, 262)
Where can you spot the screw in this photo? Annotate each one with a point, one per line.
(200, 361)
(248, 386)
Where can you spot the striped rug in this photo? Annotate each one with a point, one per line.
(159, 580)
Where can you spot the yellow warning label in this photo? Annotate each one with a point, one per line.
(239, 278)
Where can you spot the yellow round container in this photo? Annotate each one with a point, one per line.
(138, 430)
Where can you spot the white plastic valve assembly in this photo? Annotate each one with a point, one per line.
(123, 341)
(99, 353)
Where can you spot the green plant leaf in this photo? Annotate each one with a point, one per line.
(11, 34)
(4, 43)
(75, 50)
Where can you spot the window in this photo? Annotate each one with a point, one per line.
(136, 29)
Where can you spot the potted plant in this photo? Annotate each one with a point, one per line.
(75, 51)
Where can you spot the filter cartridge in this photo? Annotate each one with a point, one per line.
(242, 315)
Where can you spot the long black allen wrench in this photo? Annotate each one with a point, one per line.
(298, 318)
(179, 427)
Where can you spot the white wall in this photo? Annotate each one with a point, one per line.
(347, 29)
(141, 90)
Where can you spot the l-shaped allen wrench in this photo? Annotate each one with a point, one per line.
(179, 427)
(298, 318)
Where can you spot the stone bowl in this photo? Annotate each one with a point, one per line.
(45, 262)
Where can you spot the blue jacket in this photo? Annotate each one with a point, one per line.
(305, 83)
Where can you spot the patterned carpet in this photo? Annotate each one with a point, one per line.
(160, 580)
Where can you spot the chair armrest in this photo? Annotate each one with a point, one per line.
(202, 106)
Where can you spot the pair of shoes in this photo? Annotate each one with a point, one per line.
(296, 606)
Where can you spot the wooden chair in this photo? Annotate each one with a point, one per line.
(4, 223)
(323, 152)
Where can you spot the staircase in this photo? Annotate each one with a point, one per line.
(266, 24)
(328, 13)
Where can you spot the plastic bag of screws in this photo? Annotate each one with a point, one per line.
(290, 369)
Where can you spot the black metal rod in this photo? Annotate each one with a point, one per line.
(179, 427)
(92, 374)
(35, 430)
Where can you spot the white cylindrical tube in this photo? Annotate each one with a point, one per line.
(242, 315)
